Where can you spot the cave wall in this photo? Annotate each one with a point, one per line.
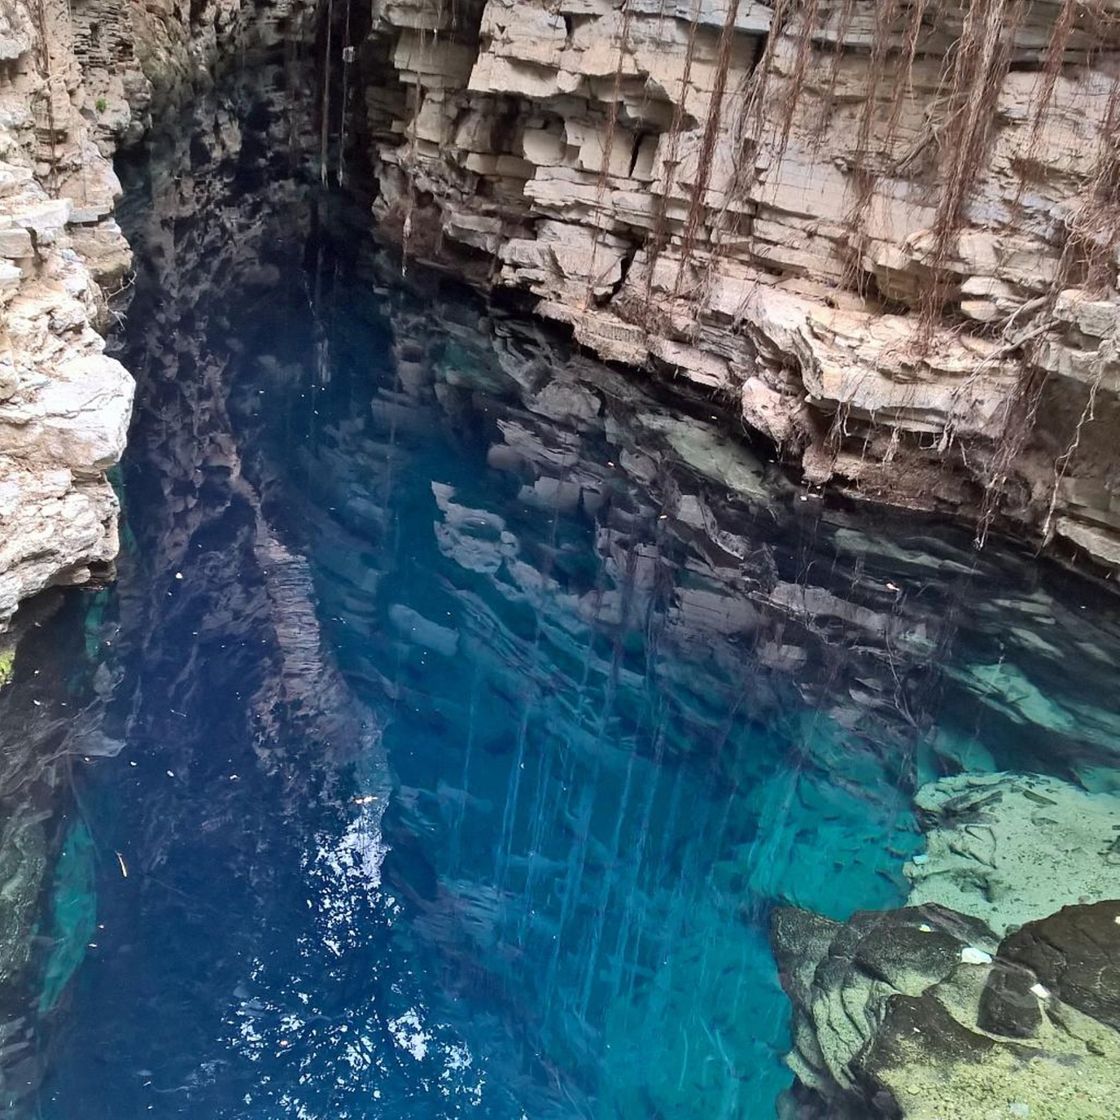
(64, 404)
(78, 78)
(885, 234)
(882, 234)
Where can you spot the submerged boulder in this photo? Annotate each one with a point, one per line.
(1072, 956)
(892, 1019)
(995, 992)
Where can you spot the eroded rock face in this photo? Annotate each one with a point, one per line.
(747, 194)
(1074, 954)
(64, 404)
(996, 986)
(77, 80)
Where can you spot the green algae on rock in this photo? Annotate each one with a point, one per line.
(23, 861)
(74, 912)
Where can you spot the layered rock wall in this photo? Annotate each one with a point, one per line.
(883, 233)
(64, 405)
(76, 80)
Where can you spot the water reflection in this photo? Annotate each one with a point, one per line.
(475, 706)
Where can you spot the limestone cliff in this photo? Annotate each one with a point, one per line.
(64, 405)
(885, 233)
(77, 79)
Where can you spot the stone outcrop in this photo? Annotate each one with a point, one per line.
(995, 987)
(917, 1014)
(880, 239)
(64, 404)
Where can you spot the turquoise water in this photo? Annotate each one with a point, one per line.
(462, 708)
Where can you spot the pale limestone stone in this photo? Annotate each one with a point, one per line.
(775, 254)
(64, 405)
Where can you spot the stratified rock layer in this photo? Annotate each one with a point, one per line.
(898, 271)
(64, 405)
(78, 78)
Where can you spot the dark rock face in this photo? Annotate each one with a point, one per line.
(904, 1014)
(1075, 955)
(1007, 1005)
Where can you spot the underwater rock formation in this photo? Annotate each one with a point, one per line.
(1007, 848)
(997, 982)
(880, 234)
(920, 1013)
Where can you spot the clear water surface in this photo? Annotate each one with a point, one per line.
(462, 709)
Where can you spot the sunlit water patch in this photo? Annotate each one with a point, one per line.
(469, 708)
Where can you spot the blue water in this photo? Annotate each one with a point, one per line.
(459, 715)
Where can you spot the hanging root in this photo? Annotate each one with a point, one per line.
(608, 147)
(843, 25)
(803, 56)
(1042, 96)
(1094, 230)
(698, 202)
(978, 65)
(886, 13)
(1022, 410)
(1061, 464)
(671, 159)
(325, 108)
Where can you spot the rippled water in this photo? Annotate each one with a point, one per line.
(462, 710)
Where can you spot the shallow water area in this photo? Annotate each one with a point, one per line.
(463, 709)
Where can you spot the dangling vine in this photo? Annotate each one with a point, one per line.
(607, 147)
(670, 160)
(325, 108)
(698, 202)
(886, 14)
(976, 68)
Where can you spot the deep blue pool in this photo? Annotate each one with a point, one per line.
(462, 709)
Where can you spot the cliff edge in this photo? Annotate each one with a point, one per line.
(884, 234)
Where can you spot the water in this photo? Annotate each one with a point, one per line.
(462, 709)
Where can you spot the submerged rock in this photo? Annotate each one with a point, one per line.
(1072, 956)
(891, 1021)
(1008, 848)
(995, 992)
(23, 861)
